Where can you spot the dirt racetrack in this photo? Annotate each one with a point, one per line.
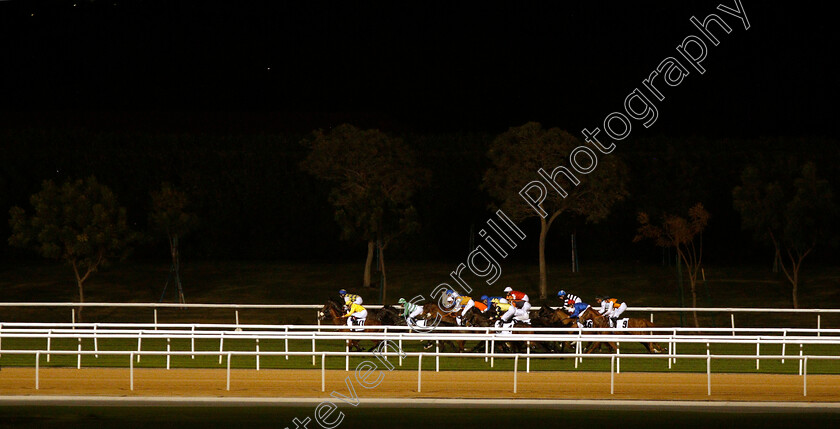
(403, 384)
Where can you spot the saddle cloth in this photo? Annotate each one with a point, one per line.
(358, 322)
(621, 323)
(585, 324)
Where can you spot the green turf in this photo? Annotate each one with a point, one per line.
(791, 366)
(309, 283)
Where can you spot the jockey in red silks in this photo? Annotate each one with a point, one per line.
(519, 305)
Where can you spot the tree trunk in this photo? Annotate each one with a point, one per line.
(368, 263)
(795, 282)
(176, 265)
(693, 280)
(382, 268)
(543, 274)
(80, 281)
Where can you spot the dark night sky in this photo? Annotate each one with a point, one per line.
(417, 65)
(407, 67)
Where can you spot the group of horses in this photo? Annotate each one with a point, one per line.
(546, 317)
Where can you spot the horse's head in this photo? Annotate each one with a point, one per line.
(330, 310)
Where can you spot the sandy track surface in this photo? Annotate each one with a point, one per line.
(403, 384)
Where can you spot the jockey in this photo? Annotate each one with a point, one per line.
(568, 299)
(577, 309)
(410, 311)
(349, 298)
(452, 297)
(490, 300)
(519, 306)
(612, 308)
(518, 299)
(356, 313)
(463, 303)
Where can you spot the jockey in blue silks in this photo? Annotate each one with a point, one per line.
(577, 310)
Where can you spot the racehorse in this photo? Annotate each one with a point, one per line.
(430, 311)
(600, 321)
(333, 310)
(476, 318)
(550, 318)
(518, 346)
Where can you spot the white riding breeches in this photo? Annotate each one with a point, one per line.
(359, 315)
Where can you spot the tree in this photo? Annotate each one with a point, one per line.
(792, 215)
(168, 216)
(79, 222)
(683, 234)
(516, 156)
(374, 177)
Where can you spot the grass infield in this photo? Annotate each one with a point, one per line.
(790, 366)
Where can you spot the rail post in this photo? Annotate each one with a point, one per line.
(155, 318)
(805, 377)
(400, 344)
(486, 345)
(385, 342)
(221, 346)
(192, 341)
(228, 370)
(49, 338)
(258, 354)
(515, 367)
(437, 356)
(674, 347)
(492, 349)
(168, 349)
(323, 372)
(313, 350)
(37, 368)
(346, 356)
(800, 360)
(757, 351)
(612, 374)
(784, 343)
(617, 359)
(419, 370)
(818, 324)
(95, 342)
(528, 359)
(286, 340)
(139, 335)
(708, 375)
(732, 318)
(131, 371)
(79, 356)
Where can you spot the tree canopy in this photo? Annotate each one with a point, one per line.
(790, 208)
(374, 177)
(516, 156)
(79, 222)
(685, 235)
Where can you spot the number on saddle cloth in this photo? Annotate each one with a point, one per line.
(587, 323)
(358, 322)
(622, 323)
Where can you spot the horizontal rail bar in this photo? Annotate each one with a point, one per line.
(318, 306)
